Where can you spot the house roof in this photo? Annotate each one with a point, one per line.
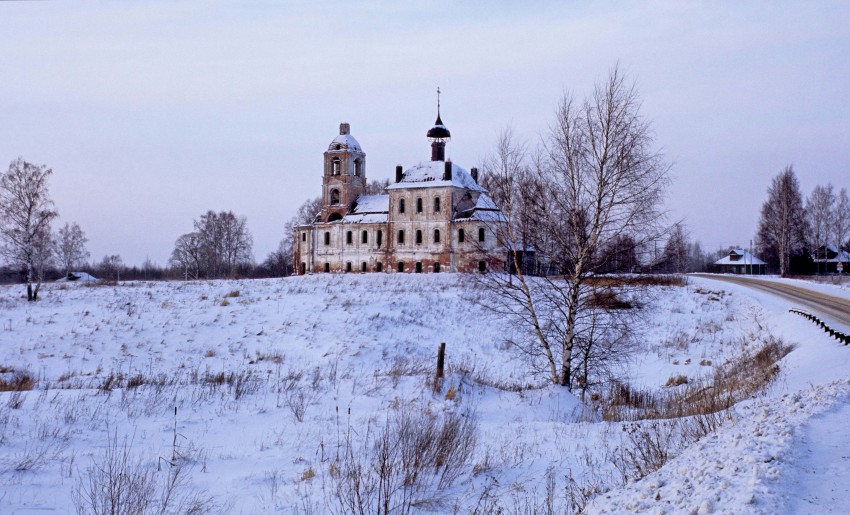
(745, 258)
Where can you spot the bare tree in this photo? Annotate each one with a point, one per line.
(220, 244)
(841, 227)
(279, 261)
(820, 217)
(781, 232)
(71, 246)
(110, 267)
(596, 179)
(26, 212)
(375, 187)
(187, 255)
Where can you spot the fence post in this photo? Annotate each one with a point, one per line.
(441, 360)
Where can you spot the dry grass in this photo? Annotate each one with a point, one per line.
(12, 380)
(616, 281)
(730, 383)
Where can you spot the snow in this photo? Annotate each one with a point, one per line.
(345, 142)
(369, 209)
(357, 345)
(742, 257)
(430, 173)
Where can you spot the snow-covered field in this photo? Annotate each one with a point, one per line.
(275, 381)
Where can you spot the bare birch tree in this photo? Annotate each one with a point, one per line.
(841, 227)
(820, 216)
(596, 179)
(71, 246)
(220, 244)
(781, 232)
(26, 213)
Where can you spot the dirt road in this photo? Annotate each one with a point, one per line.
(827, 306)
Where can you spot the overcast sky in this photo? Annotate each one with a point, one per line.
(151, 113)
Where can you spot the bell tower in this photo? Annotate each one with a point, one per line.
(344, 177)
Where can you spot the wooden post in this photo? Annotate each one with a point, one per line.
(441, 360)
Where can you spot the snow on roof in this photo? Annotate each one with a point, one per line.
(366, 218)
(372, 204)
(843, 256)
(345, 142)
(78, 276)
(485, 210)
(370, 209)
(745, 259)
(430, 173)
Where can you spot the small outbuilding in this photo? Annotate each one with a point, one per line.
(739, 261)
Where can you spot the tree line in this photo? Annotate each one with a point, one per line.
(796, 235)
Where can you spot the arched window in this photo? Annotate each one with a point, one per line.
(437, 268)
(364, 237)
(400, 266)
(480, 234)
(401, 236)
(327, 238)
(327, 268)
(379, 267)
(358, 167)
(482, 266)
(363, 266)
(437, 204)
(418, 237)
(348, 266)
(303, 236)
(380, 239)
(461, 237)
(401, 206)
(348, 238)
(419, 267)
(303, 268)
(334, 196)
(436, 236)
(419, 205)
(335, 166)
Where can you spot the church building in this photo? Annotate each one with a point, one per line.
(434, 218)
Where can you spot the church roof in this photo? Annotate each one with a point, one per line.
(428, 174)
(369, 209)
(345, 142)
(485, 210)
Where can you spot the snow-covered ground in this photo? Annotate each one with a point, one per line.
(270, 378)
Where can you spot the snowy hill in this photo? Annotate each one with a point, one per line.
(275, 382)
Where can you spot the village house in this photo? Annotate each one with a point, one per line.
(829, 259)
(434, 218)
(739, 261)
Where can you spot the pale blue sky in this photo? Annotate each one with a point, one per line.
(150, 113)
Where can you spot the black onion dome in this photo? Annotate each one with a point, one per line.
(439, 131)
